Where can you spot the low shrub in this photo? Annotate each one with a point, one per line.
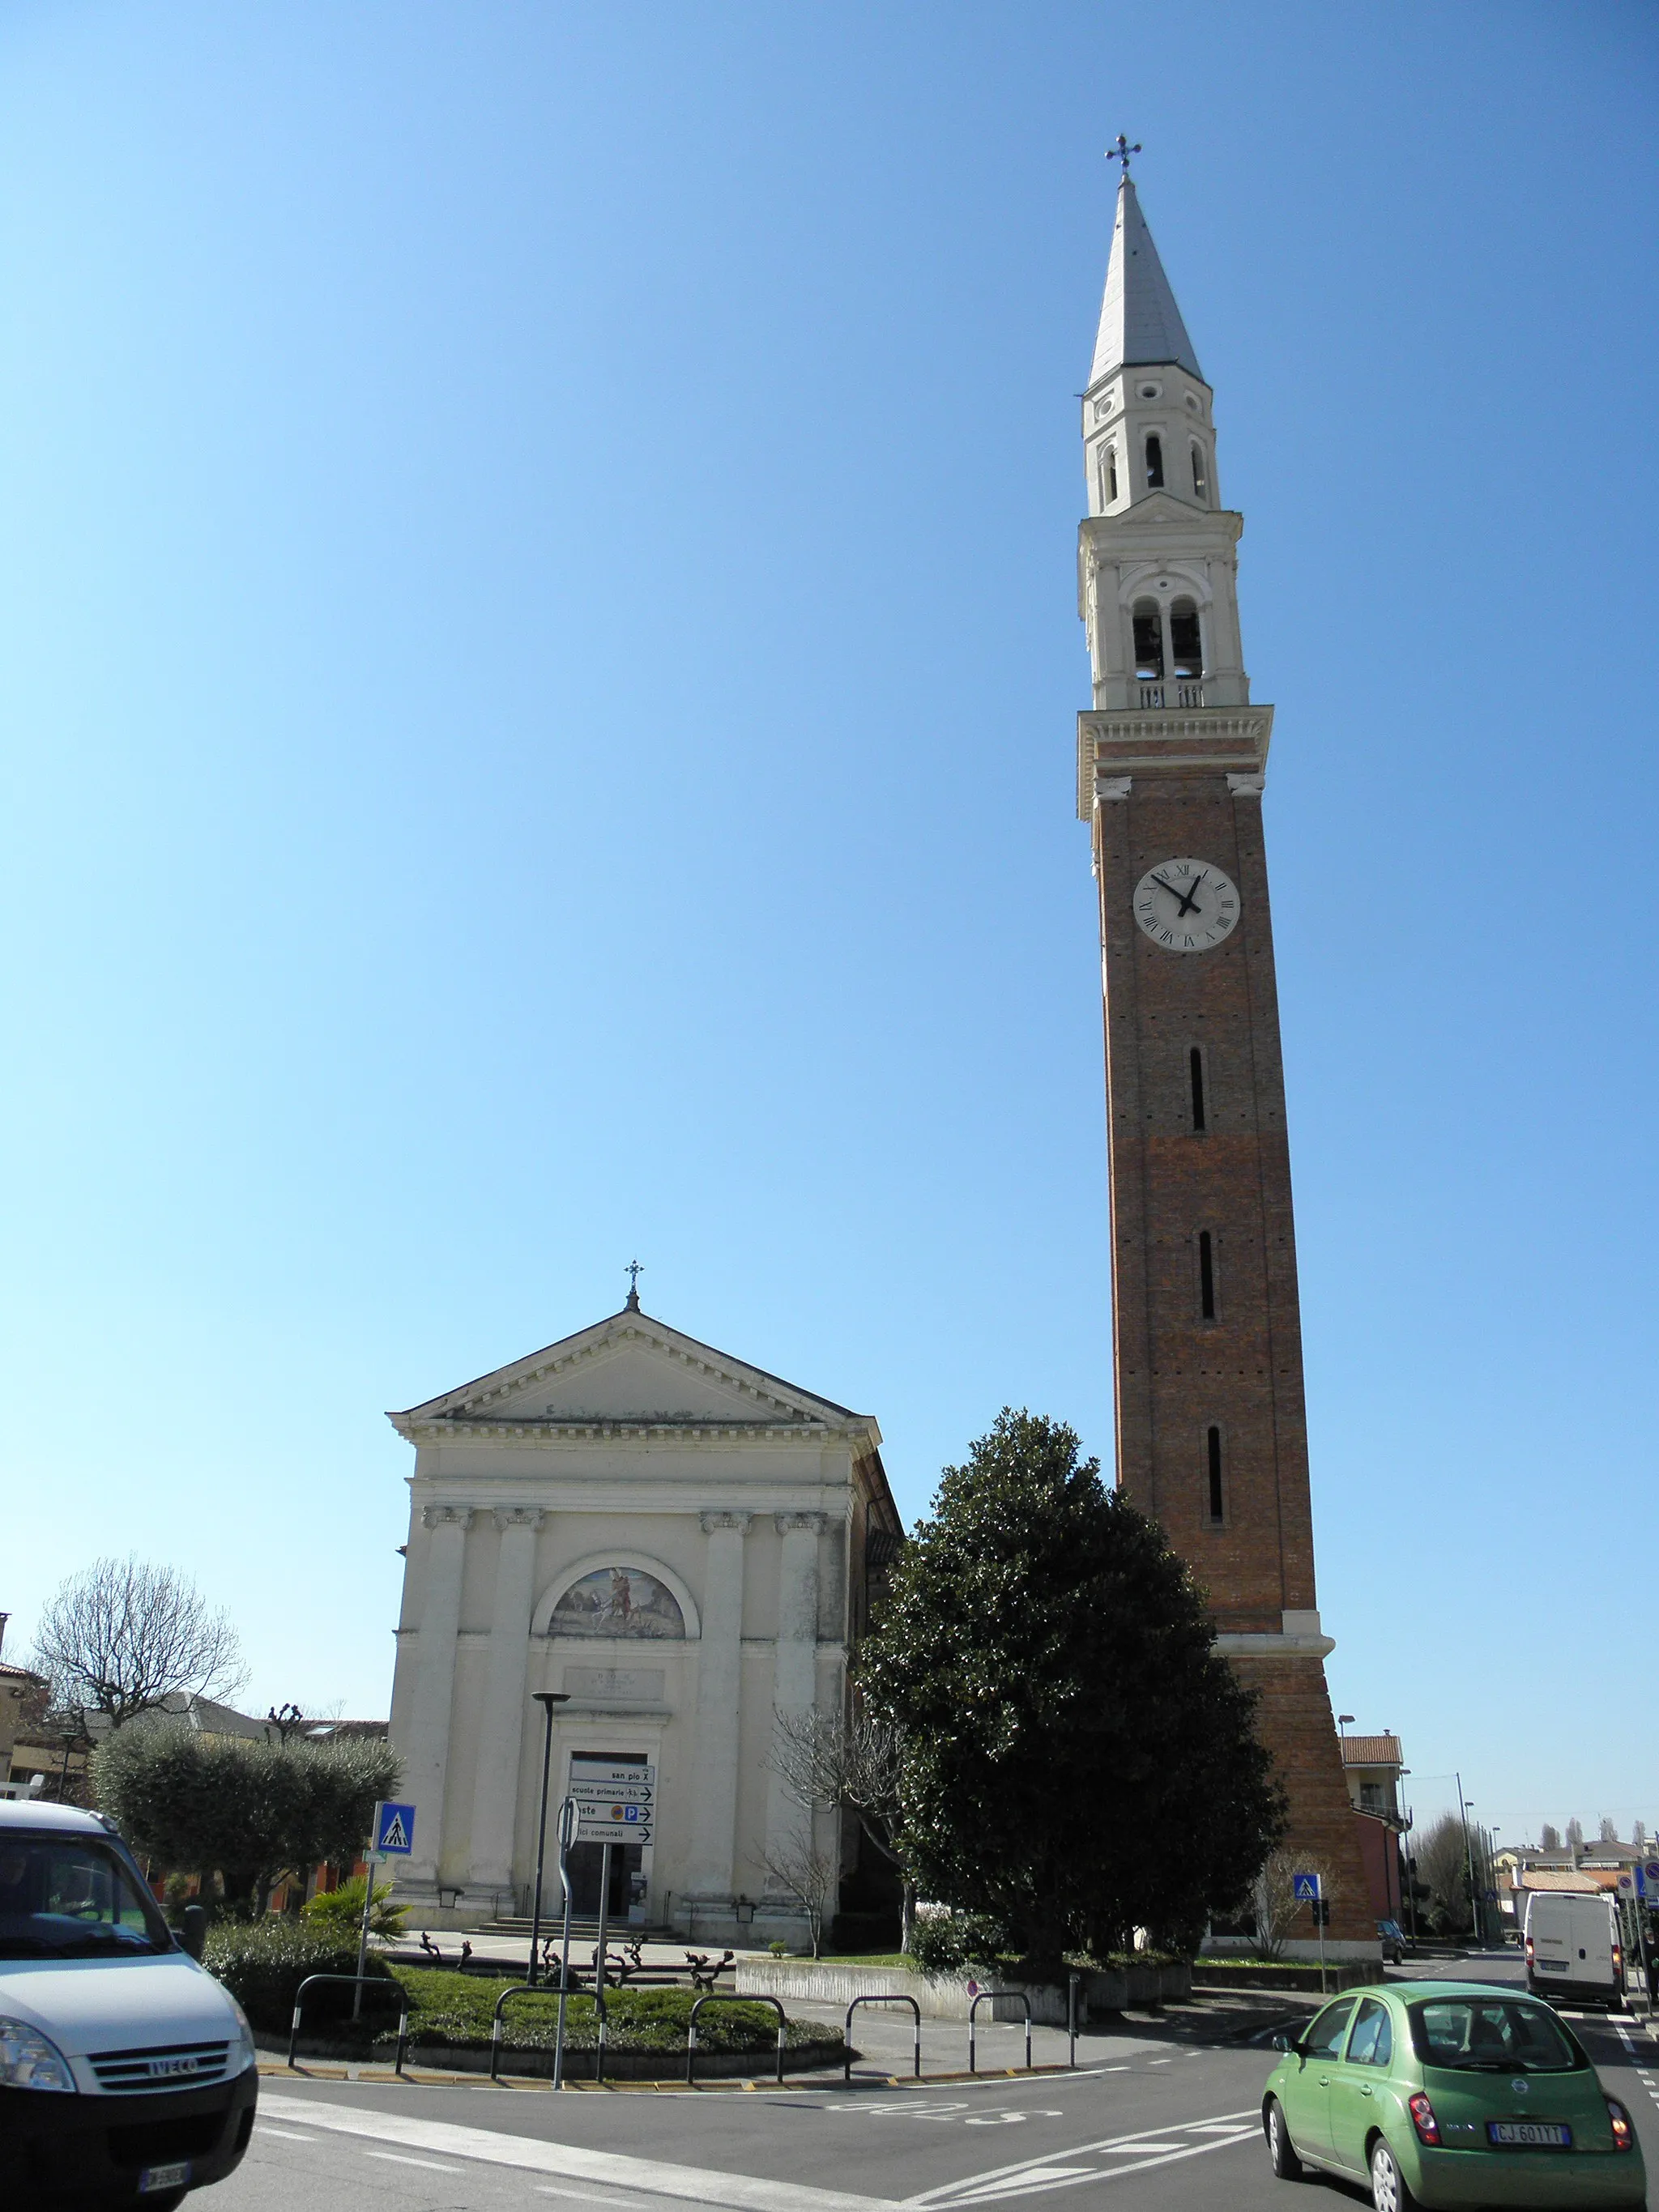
(457, 2009)
(262, 1964)
(343, 1908)
(945, 1942)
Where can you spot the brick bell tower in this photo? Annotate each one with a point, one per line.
(1211, 1429)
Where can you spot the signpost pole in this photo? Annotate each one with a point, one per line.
(362, 1933)
(604, 1916)
(1319, 1915)
(567, 1830)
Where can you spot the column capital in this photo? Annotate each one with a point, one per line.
(788, 1522)
(722, 1518)
(447, 1517)
(519, 1516)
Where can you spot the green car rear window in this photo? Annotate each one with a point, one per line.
(1498, 2035)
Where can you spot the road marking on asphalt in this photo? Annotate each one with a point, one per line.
(1149, 2148)
(593, 2197)
(287, 2135)
(741, 2192)
(397, 2158)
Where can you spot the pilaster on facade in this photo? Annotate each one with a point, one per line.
(447, 1517)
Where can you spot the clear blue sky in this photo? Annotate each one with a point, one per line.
(539, 657)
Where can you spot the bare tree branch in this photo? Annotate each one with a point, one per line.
(122, 1637)
(848, 1763)
(1277, 1904)
(806, 1876)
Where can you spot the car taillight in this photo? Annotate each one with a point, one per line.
(1618, 1959)
(1423, 2119)
(1529, 1950)
(1624, 2135)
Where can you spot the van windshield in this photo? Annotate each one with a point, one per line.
(73, 1897)
(1497, 2035)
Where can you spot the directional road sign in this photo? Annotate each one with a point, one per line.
(394, 1829)
(615, 1803)
(1305, 1887)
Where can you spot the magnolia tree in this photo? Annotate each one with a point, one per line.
(1076, 1759)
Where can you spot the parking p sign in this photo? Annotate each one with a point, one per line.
(394, 1830)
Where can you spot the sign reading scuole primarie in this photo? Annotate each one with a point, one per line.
(614, 1801)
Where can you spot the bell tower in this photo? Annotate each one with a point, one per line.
(1211, 1429)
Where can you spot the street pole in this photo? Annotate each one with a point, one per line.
(546, 1699)
(604, 1916)
(362, 1933)
(1468, 1858)
(1319, 1914)
(567, 1833)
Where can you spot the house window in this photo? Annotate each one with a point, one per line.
(1186, 641)
(1195, 1072)
(1149, 642)
(1371, 1798)
(1205, 1274)
(1201, 475)
(1212, 1469)
(1154, 462)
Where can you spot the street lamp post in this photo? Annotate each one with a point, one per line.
(1465, 1806)
(546, 1699)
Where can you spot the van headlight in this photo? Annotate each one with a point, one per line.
(28, 2060)
(242, 2053)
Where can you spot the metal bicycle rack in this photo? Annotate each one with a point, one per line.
(718, 1997)
(353, 1982)
(898, 1997)
(541, 1990)
(986, 1996)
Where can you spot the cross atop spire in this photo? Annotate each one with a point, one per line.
(1121, 151)
(633, 1271)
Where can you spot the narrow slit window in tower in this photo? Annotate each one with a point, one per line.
(1195, 1065)
(1205, 1274)
(1212, 1443)
(1108, 473)
(1186, 643)
(1201, 475)
(1148, 642)
(1154, 462)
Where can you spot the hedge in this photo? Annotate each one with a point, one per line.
(264, 1962)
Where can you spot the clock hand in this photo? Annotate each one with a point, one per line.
(1189, 898)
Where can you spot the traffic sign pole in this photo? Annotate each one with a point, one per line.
(567, 1830)
(362, 1933)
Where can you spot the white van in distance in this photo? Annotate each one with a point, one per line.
(1573, 1949)
(126, 2071)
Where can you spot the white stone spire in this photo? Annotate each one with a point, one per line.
(1139, 321)
(1157, 563)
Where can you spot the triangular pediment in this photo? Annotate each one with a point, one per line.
(636, 1372)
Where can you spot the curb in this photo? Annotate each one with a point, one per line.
(424, 2078)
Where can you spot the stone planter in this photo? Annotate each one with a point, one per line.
(949, 1996)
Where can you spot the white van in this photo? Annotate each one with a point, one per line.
(1574, 1952)
(126, 2072)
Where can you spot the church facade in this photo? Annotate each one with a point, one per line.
(1171, 763)
(679, 1544)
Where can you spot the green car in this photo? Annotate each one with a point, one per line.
(1450, 2093)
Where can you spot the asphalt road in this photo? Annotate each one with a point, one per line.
(1143, 2126)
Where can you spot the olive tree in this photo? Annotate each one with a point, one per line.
(248, 1811)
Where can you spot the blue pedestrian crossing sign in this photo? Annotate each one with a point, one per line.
(394, 1829)
(1305, 1887)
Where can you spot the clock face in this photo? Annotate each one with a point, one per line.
(1187, 905)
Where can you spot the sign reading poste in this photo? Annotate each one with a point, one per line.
(614, 1801)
